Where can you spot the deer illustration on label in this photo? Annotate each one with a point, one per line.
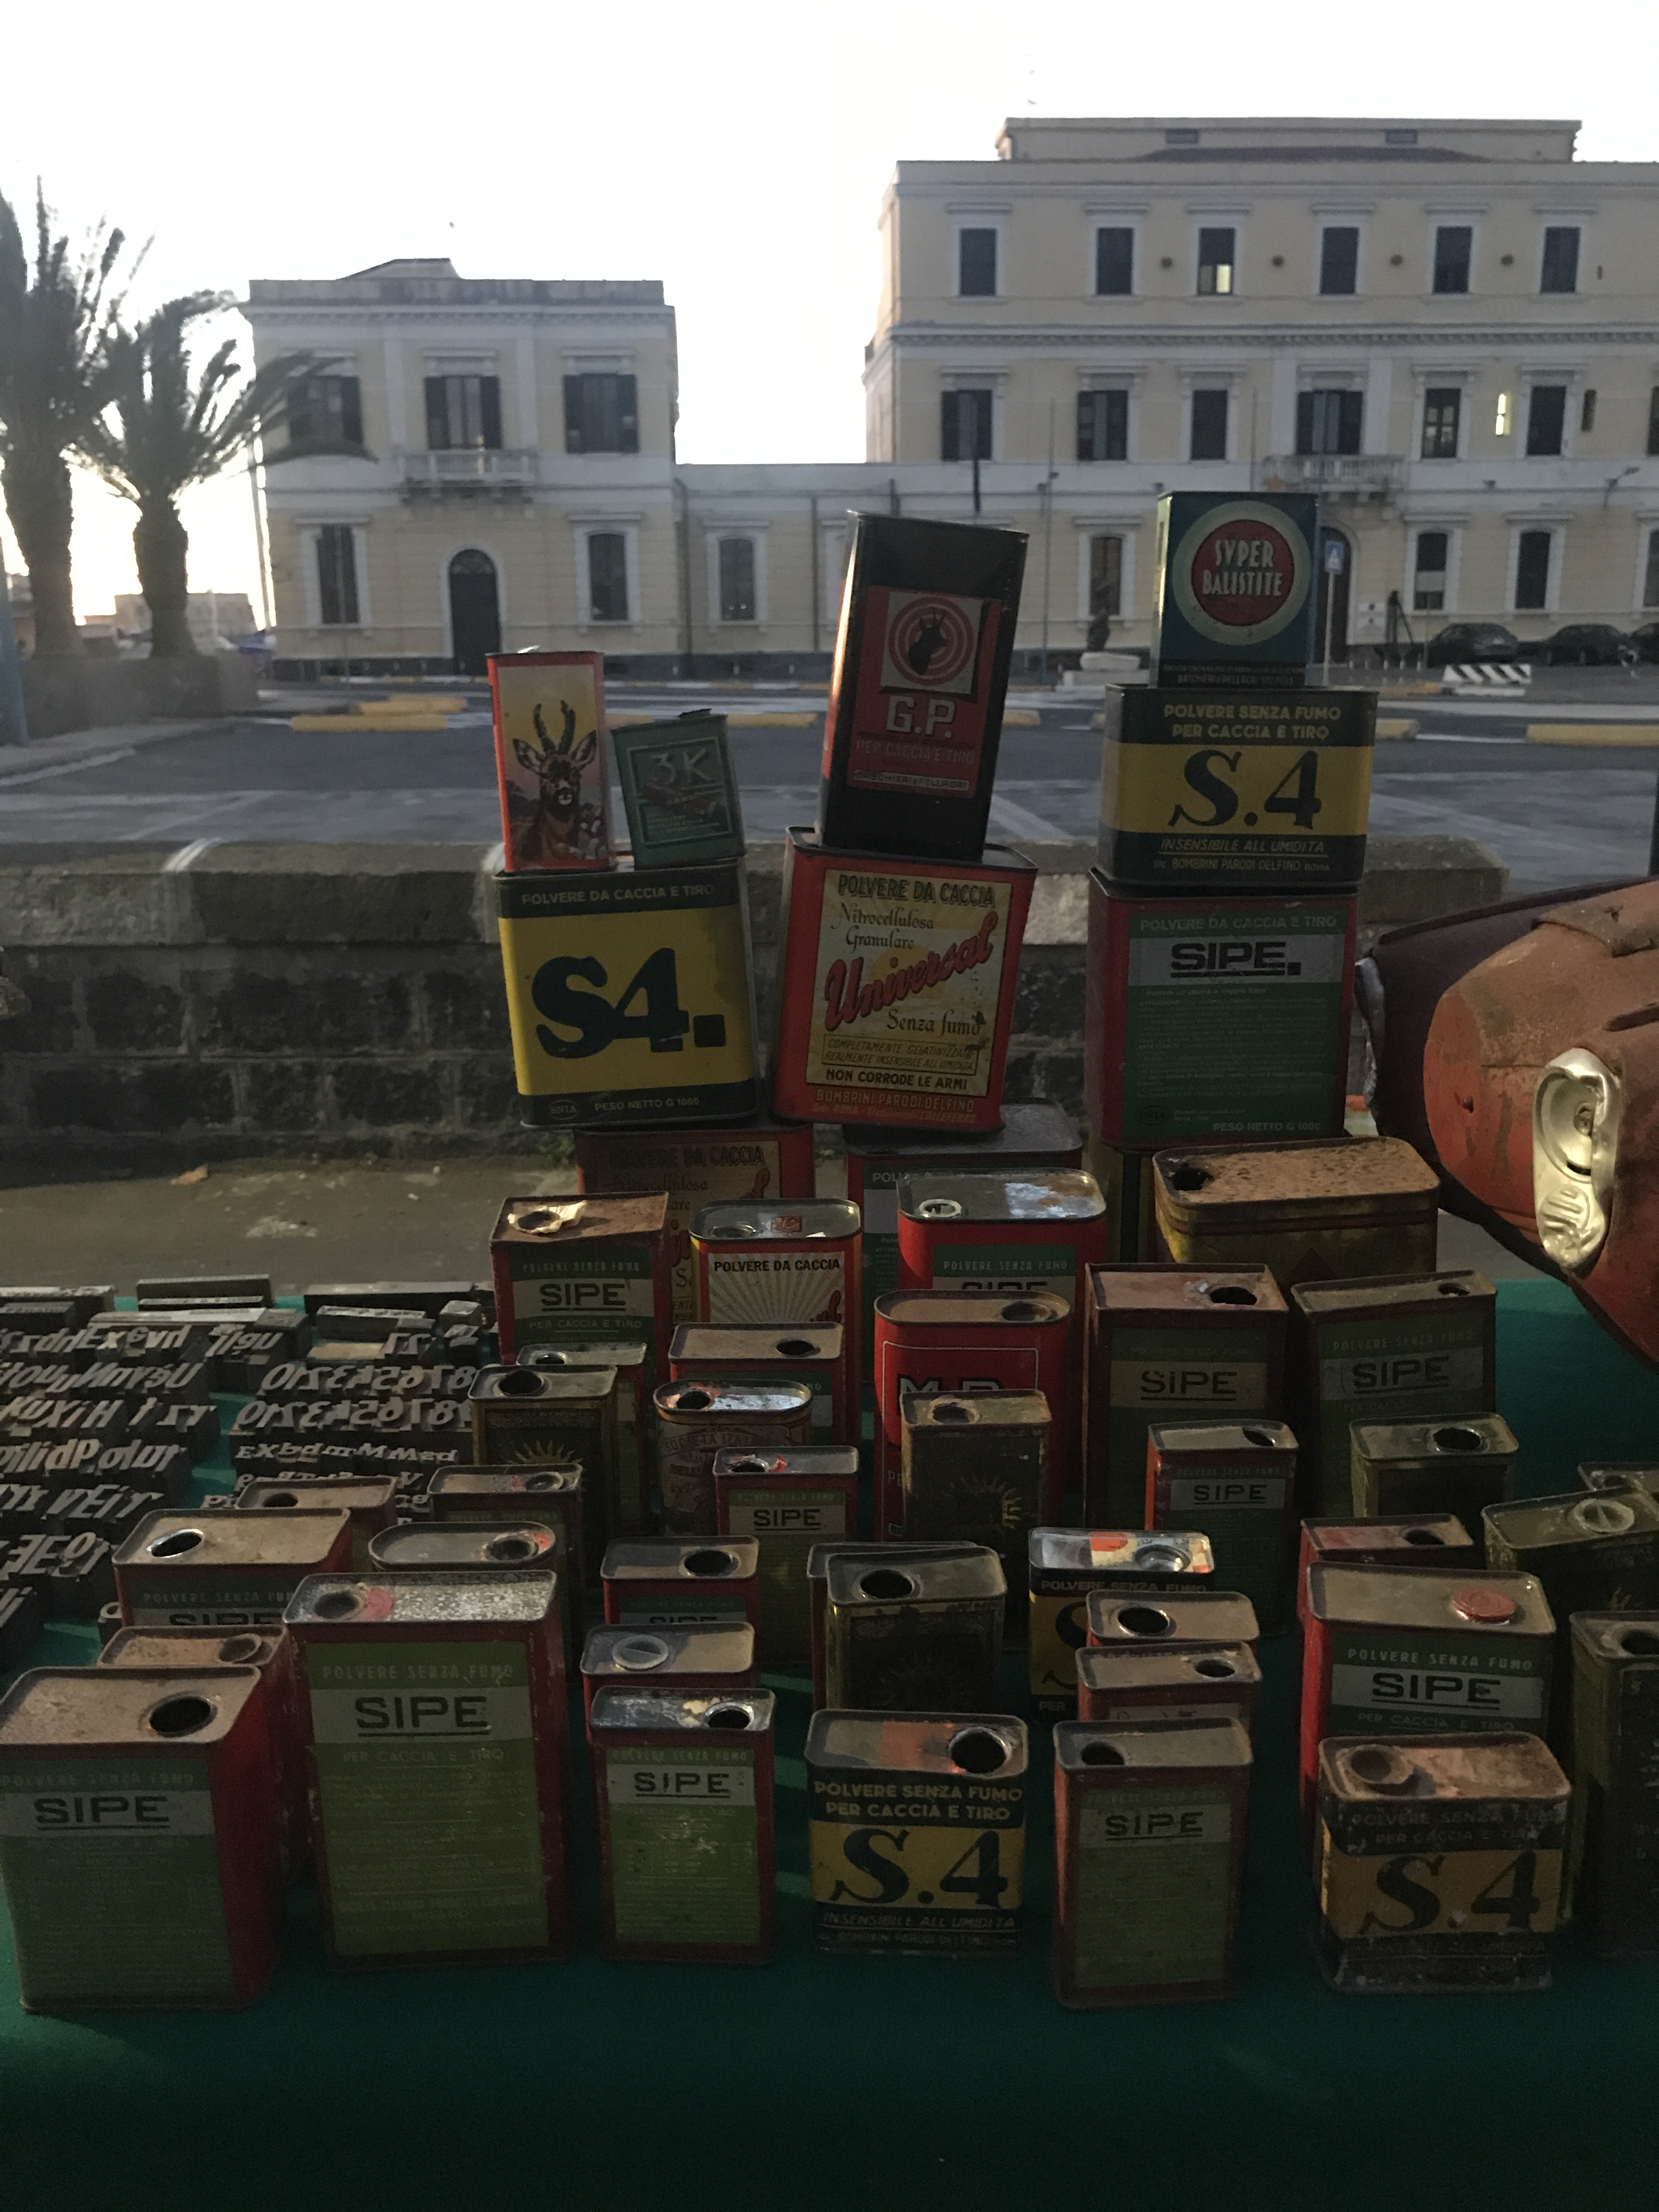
(555, 789)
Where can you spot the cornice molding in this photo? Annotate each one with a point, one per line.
(1274, 336)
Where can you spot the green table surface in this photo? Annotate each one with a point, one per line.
(878, 2084)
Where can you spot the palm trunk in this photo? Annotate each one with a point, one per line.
(40, 503)
(161, 547)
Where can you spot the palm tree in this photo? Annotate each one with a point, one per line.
(161, 432)
(58, 319)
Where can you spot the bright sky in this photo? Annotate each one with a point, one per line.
(736, 151)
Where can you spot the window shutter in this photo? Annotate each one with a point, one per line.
(573, 414)
(950, 447)
(1086, 426)
(1350, 418)
(301, 394)
(437, 414)
(351, 410)
(1304, 422)
(489, 411)
(628, 415)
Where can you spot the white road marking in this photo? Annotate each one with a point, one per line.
(67, 768)
(177, 863)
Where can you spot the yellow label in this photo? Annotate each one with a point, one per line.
(952, 1869)
(1228, 783)
(652, 999)
(1502, 1893)
(1060, 1629)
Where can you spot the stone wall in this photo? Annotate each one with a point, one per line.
(326, 999)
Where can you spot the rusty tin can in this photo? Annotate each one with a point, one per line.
(683, 1785)
(1210, 1017)
(1142, 1686)
(673, 1582)
(768, 1159)
(521, 1416)
(879, 1554)
(1616, 1474)
(550, 763)
(780, 1353)
(1149, 1838)
(716, 1658)
(225, 1570)
(630, 1360)
(967, 1345)
(788, 1502)
(1414, 1539)
(1311, 1213)
(801, 1263)
(1064, 1565)
(917, 1831)
(1615, 1843)
(916, 1034)
(1169, 1343)
(434, 1707)
(472, 1548)
(1458, 1466)
(139, 1830)
(1169, 1619)
(570, 1270)
(551, 1495)
(372, 1505)
(1234, 1482)
(696, 1421)
(1389, 1651)
(916, 1633)
(1389, 1349)
(1597, 1553)
(1439, 1862)
(1034, 1136)
(978, 1467)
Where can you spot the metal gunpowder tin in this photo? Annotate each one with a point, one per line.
(896, 999)
(372, 1504)
(784, 1352)
(1234, 1482)
(630, 995)
(551, 1495)
(913, 1633)
(1616, 1782)
(1335, 1209)
(788, 1502)
(670, 1582)
(1458, 1466)
(1617, 1475)
(1125, 1176)
(1389, 1348)
(630, 1359)
(1237, 597)
(696, 1420)
(879, 1554)
(550, 763)
(1165, 1343)
(971, 1344)
(683, 1784)
(138, 1836)
(225, 1570)
(1149, 1838)
(568, 1271)
(1266, 792)
(717, 1658)
(917, 1831)
(1169, 1619)
(679, 790)
(769, 1159)
(799, 1263)
(1064, 1565)
(465, 1547)
(1211, 1017)
(1390, 1652)
(1439, 1862)
(1415, 1540)
(434, 1705)
(917, 691)
(1143, 1686)
(521, 1416)
(978, 1467)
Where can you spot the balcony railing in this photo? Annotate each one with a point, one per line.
(1335, 476)
(466, 470)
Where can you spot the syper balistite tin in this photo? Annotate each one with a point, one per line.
(1143, 1685)
(683, 1785)
(1439, 1862)
(434, 1707)
(696, 1421)
(917, 1633)
(978, 1467)
(1236, 597)
(1616, 1781)
(1149, 1836)
(1457, 1467)
(225, 1570)
(1063, 1565)
(918, 1832)
(1384, 1349)
(787, 1502)
(759, 1265)
(1338, 1208)
(680, 1584)
(1234, 1482)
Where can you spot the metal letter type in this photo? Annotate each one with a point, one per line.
(550, 759)
(1234, 1482)
(788, 1502)
(1065, 1564)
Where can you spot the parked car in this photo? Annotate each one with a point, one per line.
(1585, 645)
(1461, 641)
(1645, 639)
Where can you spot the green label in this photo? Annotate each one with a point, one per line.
(167, 1602)
(1393, 1370)
(1154, 1887)
(1006, 1270)
(1246, 1519)
(786, 1523)
(684, 1845)
(431, 1812)
(1159, 1375)
(564, 1298)
(698, 1609)
(111, 1874)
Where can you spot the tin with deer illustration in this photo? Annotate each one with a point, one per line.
(550, 759)
(629, 996)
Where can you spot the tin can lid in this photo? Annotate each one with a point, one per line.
(639, 1653)
(1475, 1603)
(1105, 1545)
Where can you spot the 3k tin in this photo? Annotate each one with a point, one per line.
(679, 791)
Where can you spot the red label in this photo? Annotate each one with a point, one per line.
(1243, 572)
(919, 710)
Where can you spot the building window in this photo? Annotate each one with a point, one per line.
(1429, 572)
(1547, 418)
(1453, 247)
(964, 426)
(737, 560)
(607, 576)
(1180, 138)
(1587, 412)
(1653, 421)
(326, 410)
(1114, 263)
(337, 575)
(463, 414)
(1329, 422)
(1215, 261)
(1399, 137)
(601, 414)
(1209, 438)
(1532, 572)
(1339, 260)
(1442, 414)
(977, 265)
(1106, 578)
(1651, 575)
(1102, 426)
(1560, 270)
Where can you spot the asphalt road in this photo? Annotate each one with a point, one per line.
(1556, 815)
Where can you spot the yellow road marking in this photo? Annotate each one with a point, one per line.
(1593, 733)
